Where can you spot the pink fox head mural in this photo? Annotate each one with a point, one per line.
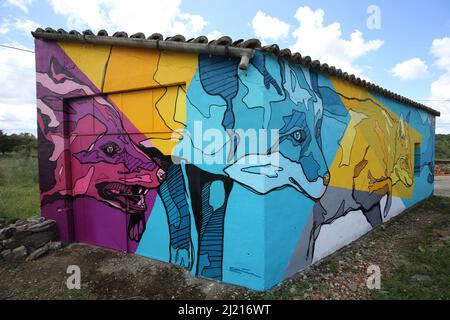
(117, 125)
(107, 164)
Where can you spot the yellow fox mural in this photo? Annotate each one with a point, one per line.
(376, 151)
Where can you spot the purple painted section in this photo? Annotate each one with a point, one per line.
(46, 50)
(90, 193)
(57, 211)
(99, 224)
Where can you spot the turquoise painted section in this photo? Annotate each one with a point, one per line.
(245, 238)
(274, 207)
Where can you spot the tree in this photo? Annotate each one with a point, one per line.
(23, 142)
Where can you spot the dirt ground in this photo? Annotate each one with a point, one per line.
(107, 274)
(442, 186)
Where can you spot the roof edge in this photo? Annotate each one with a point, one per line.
(222, 46)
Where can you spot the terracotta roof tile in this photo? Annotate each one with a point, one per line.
(274, 49)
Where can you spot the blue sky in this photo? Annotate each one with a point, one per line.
(409, 53)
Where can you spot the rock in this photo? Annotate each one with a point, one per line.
(10, 243)
(46, 225)
(423, 279)
(38, 252)
(353, 286)
(55, 245)
(293, 289)
(421, 249)
(444, 233)
(20, 223)
(33, 240)
(19, 253)
(6, 254)
(423, 268)
(8, 232)
(34, 220)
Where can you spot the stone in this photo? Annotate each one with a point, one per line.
(20, 223)
(423, 279)
(34, 220)
(33, 240)
(10, 243)
(8, 232)
(43, 226)
(19, 253)
(55, 245)
(38, 252)
(6, 254)
(442, 233)
(353, 287)
(423, 268)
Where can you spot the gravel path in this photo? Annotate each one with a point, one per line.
(442, 186)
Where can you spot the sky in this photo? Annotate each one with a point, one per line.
(401, 45)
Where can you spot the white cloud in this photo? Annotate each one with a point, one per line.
(411, 69)
(440, 50)
(192, 22)
(325, 42)
(164, 16)
(17, 90)
(269, 28)
(213, 35)
(440, 100)
(21, 4)
(440, 88)
(18, 118)
(4, 28)
(25, 25)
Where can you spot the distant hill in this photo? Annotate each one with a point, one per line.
(442, 146)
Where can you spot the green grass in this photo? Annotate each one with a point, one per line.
(426, 273)
(426, 276)
(19, 190)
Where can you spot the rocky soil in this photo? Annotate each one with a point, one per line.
(107, 274)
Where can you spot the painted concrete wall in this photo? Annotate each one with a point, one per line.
(151, 153)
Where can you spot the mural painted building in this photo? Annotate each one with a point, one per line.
(240, 163)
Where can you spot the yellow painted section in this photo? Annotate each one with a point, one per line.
(377, 147)
(176, 68)
(155, 84)
(90, 59)
(131, 68)
(154, 112)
